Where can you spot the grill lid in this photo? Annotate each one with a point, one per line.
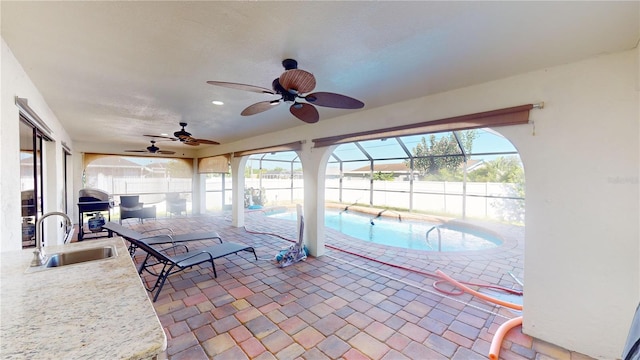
(95, 194)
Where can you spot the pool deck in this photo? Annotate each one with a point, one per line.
(358, 301)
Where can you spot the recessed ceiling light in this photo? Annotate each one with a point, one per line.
(217, 102)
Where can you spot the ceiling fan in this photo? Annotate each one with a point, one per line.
(153, 149)
(291, 86)
(185, 137)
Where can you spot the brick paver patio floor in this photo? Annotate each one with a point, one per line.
(371, 302)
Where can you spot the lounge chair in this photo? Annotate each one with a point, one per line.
(174, 264)
(130, 235)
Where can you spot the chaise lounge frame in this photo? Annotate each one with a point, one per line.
(170, 238)
(177, 263)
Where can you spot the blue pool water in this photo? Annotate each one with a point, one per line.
(405, 234)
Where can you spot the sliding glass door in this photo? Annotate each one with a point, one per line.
(31, 179)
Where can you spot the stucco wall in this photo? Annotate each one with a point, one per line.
(581, 254)
(15, 82)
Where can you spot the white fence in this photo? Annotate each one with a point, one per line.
(499, 201)
(483, 200)
(151, 189)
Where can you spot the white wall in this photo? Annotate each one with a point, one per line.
(582, 278)
(581, 241)
(15, 82)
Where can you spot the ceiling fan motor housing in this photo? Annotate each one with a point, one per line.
(287, 96)
(153, 148)
(182, 134)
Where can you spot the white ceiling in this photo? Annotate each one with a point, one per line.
(113, 71)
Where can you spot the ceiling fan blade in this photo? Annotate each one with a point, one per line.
(136, 151)
(166, 152)
(207, 142)
(333, 100)
(305, 112)
(244, 87)
(162, 137)
(259, 107)
(190, 141)
(299, 81)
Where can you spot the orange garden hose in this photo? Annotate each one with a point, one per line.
(478, 294)
(496, 342)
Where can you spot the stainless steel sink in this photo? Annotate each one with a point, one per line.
(80, 256)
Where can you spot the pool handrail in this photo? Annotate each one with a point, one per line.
(436, 227)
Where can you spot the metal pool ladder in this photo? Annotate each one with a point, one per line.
(437, 228)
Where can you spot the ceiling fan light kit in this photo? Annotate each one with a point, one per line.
(291, 86)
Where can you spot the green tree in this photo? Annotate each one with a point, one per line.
(383, 176)
(430, 157)
(248, 171)
(501, 170)
(508, 171)
(446, 175)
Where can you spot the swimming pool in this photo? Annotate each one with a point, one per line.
(405, 234)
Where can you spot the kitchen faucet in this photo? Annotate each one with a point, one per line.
(39, 257)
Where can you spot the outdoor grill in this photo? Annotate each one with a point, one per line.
(90, 202)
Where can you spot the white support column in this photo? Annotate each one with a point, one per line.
(197, 190)
(314, 164)
(237, 179)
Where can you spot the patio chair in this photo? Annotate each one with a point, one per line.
(176, 204)
(131, 207)
(170, 238)
(179, 262)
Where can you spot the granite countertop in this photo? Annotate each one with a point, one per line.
(92, 310)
